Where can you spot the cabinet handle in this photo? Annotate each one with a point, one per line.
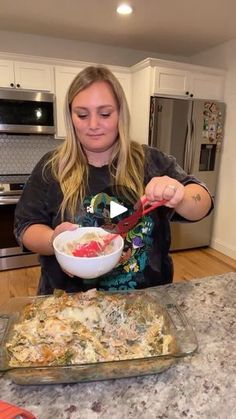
(18, 85)
(12, 84)
(191, 95)
(187, 93)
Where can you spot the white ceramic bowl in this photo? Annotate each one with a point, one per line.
(86, 267)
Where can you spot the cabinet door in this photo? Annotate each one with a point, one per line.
(140, 106)
(63, 79)
(34, 76)
(125, 81)
(170, 81)
(207, 86)
(6, 73)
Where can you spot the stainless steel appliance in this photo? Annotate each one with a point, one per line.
(191, 130)
(26, 112)
(11, 255)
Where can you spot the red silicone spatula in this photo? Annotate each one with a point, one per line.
(143, 208)
(94, 247)
(10, 411)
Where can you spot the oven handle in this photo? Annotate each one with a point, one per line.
(9, 200)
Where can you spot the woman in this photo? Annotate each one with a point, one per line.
(96, 164)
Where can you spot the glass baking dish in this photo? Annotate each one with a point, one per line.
(175, 322)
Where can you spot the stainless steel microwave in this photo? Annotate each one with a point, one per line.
(26, 112)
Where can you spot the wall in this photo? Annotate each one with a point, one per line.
(18, 43)
(224, 233)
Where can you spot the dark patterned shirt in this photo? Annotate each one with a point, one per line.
(145, 260)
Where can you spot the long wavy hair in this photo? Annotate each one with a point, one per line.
(69, 164)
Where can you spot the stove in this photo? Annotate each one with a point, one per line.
(10, 193)
(11, 254)
(11, 187)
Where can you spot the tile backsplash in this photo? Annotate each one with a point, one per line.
(20, 153)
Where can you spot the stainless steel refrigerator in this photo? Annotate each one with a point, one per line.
(191, 130)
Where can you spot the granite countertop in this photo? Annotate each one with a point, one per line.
(199, 386)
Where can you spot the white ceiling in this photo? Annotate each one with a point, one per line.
(178, 27)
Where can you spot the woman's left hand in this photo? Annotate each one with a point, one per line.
(167, 188)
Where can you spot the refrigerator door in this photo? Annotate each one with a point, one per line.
(207, 136)
(169, 127)
(203, 161)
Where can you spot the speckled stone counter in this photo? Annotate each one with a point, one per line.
(199, 386)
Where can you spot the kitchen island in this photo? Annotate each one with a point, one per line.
(202, 385)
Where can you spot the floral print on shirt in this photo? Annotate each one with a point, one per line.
(129, 272)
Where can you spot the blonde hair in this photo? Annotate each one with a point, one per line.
(69, 164)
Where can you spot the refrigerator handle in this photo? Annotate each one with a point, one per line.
(153, 119)
(187, 150)
(192, 145)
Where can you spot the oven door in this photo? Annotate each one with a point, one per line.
(11, 255)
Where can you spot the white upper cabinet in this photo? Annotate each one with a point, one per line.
(7, 76)
(63, 78)
(170, 81)
(24, 75)
(207, 86)
(175, 82)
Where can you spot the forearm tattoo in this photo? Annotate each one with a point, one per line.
(197, 197)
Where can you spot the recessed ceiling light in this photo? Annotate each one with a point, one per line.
(124, 9)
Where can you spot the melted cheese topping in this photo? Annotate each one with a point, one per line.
(89, 327)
